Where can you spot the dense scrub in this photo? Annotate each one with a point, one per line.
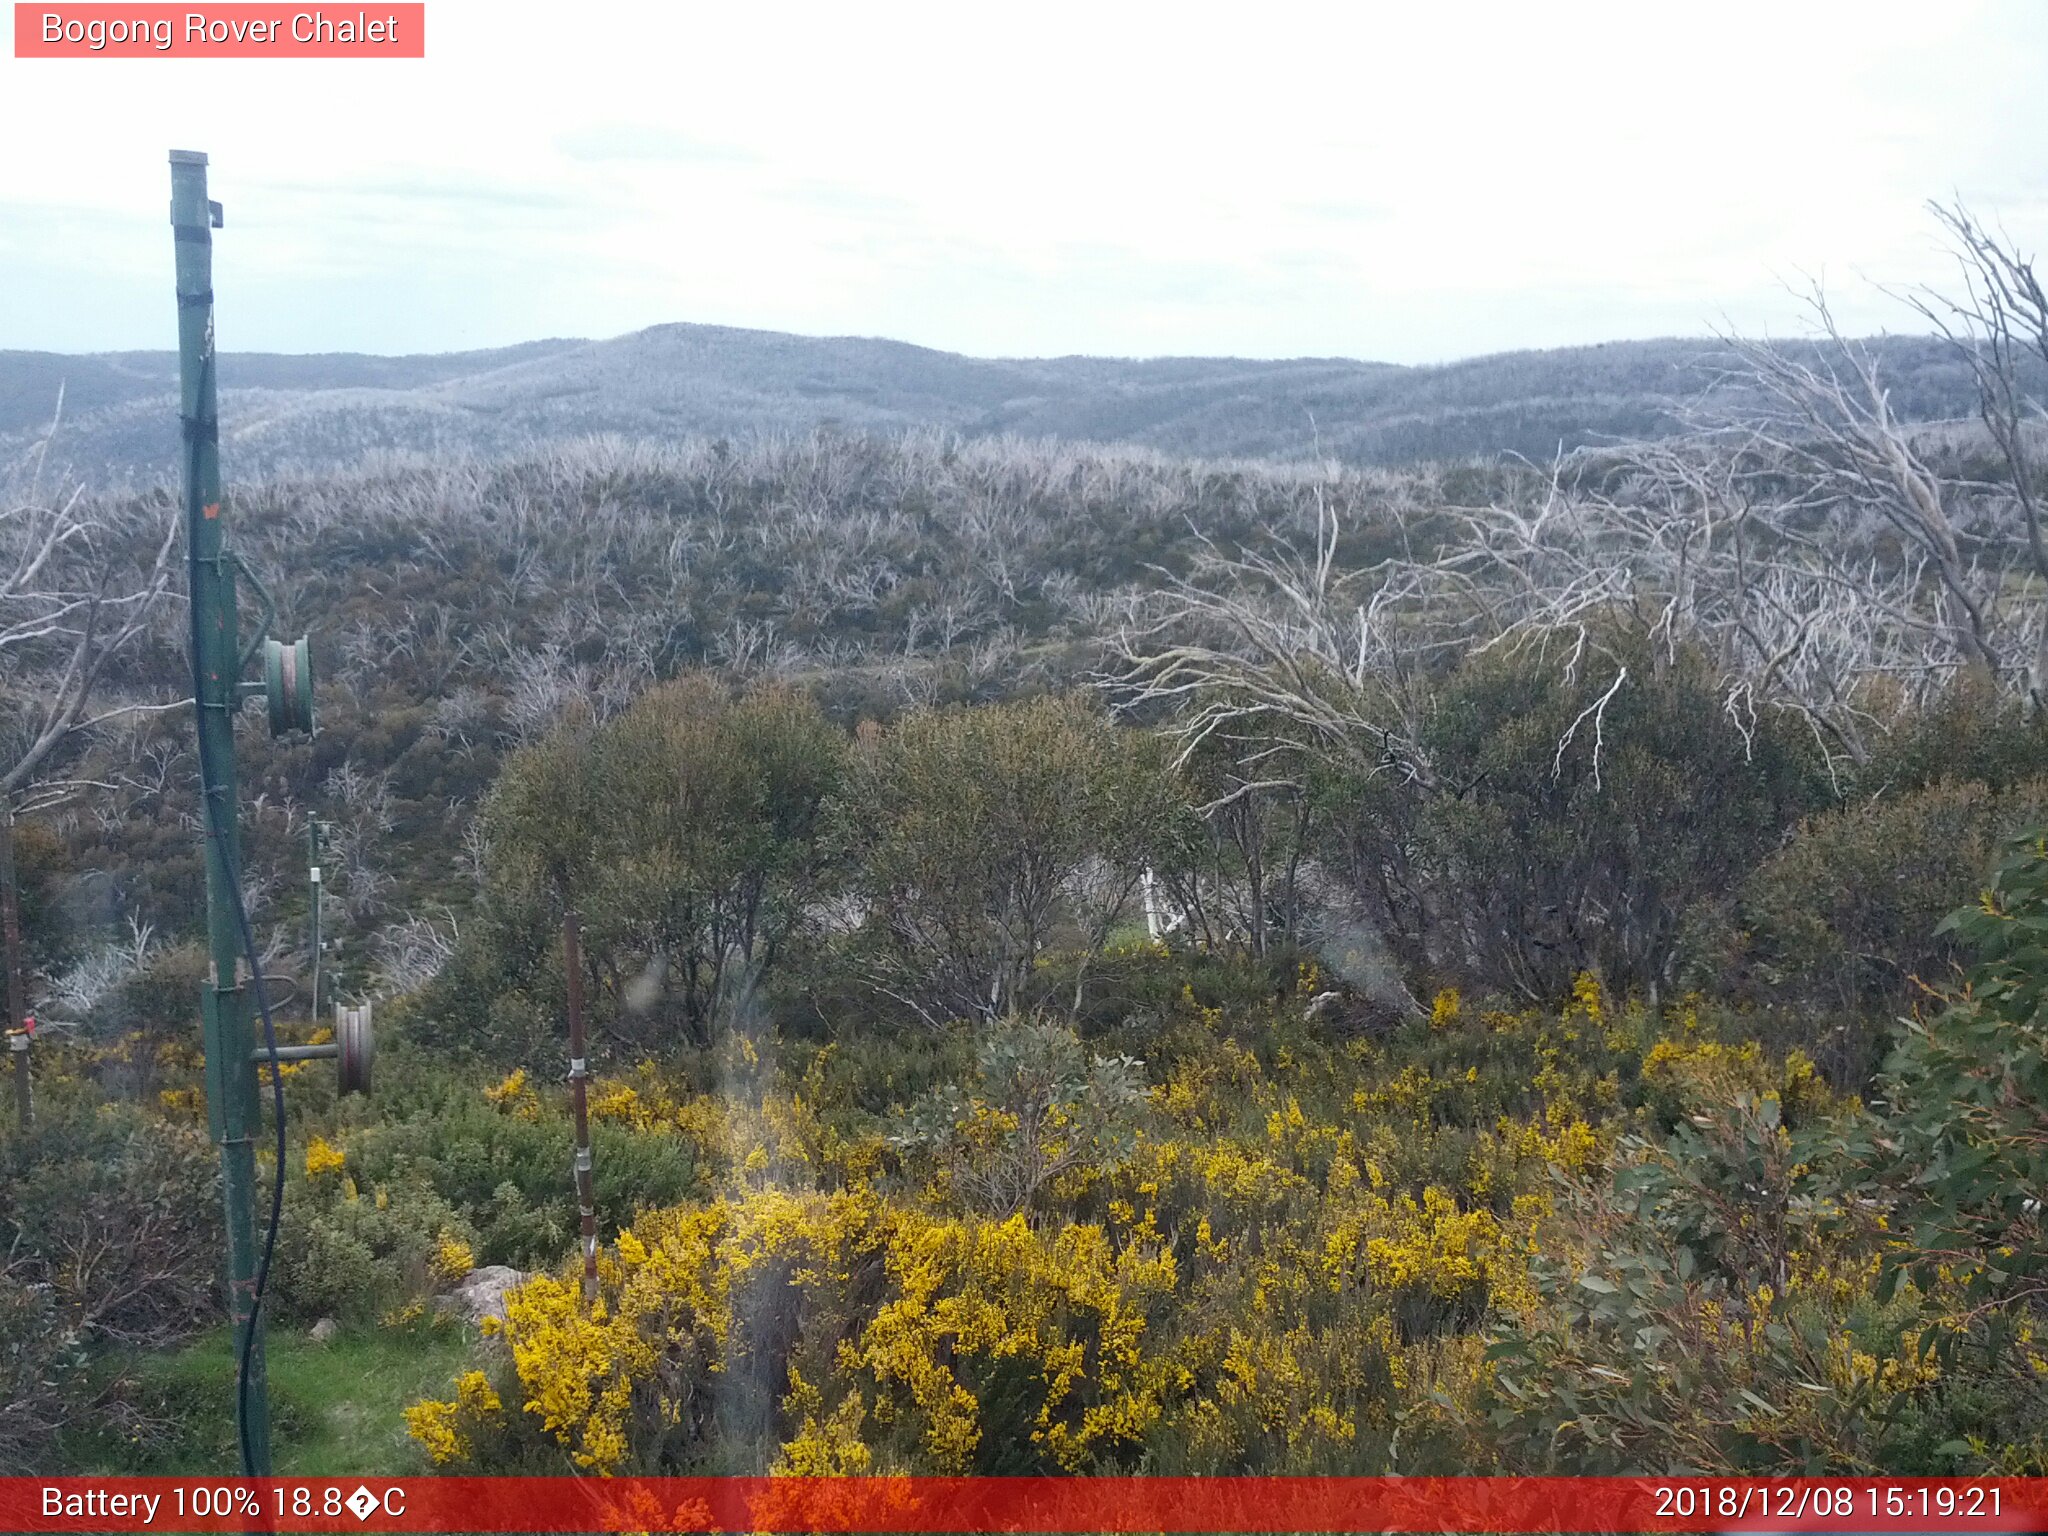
(1289, 1251)
(1531, 1053)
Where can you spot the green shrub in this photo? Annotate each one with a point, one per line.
(1973, 734)
(1775, 1278)
(1844, 920)
(1562, 834)
(43, 1379)
(150, 1015)
(1039, 1106)
(509, 1175)
(1699, 1320)
(110, 1228)
(348, 1254)
(979, 837)
(1967, 1095)
(39, 861)
(119, 1214)
(687, 834)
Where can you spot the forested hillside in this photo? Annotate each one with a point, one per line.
(1097, 959)
(282, 414)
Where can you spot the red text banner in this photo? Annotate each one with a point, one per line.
(225, 31)
(1057, 1506)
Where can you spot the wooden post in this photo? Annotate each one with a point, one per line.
(579, 1077)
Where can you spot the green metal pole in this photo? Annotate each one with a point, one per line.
(231, 1099)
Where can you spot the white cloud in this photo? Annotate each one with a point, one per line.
(1383, 181)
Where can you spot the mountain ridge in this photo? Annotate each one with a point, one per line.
(287, 412)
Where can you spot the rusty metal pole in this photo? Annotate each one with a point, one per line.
(11, 961)
(579, 1099)
(24, 1095)
(10, 923)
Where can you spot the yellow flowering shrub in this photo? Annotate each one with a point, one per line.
(322, 1157)
(182, 1103)
(444, 1429)
(452, 1259)
(1706, 1063)
(614, 1101)
(1309, 1254)
(1560, 1139)
(515, 1095)
(881, 1335)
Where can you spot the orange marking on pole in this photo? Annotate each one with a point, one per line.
(212, 509)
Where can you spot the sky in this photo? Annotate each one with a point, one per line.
(1403, 182)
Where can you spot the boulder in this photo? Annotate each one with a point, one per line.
(325, 1330)
(481, 1293)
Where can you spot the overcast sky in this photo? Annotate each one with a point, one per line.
(1410, 182)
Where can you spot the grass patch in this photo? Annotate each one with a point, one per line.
(336, 1409)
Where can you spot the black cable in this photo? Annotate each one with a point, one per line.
(209, 786)
(276, 1182)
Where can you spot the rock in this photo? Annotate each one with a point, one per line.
(481, 1293)
(1321, 1004)
(325, 1330)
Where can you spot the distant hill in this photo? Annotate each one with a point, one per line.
(321, 411)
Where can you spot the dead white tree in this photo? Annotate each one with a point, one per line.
(1997, 321)
(1260, 663)
(1280, 651)
(413, 952)
(1719, 542)
(1828, 425)
(78, 584)
(1801, 538)
(1802, 535)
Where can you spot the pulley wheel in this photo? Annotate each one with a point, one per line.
(352, 1035)
(288, 683)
